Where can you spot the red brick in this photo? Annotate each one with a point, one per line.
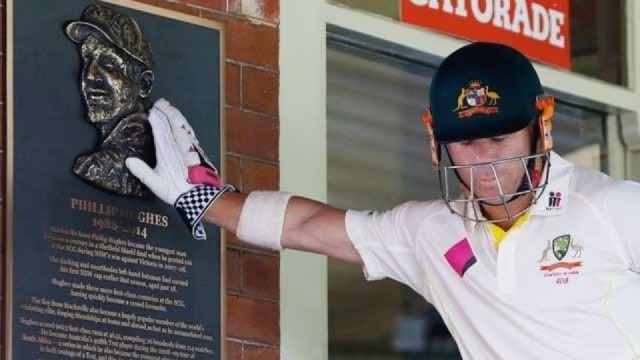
(252, 43)
(233, 350)
(180, 7)
(234, 6)
(3, 124)
(3, 245)
(271, 10)
(232, 84)
(233, 240)
(259, 176)
(267, 10)
(233, 270)
(253, 319)
(2, 29)
(209, 4)
(260, 90)
(3, 67)
(232, 171)
(251, 134)
(260, 353)
(3, 157)
(214, 15)
(261, 276)
(3, 236)
(2, 332)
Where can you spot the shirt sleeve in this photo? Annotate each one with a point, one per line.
(621, 206)
(386, 242)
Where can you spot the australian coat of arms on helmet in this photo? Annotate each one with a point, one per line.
(476, 98)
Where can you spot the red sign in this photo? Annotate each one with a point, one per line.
(539, 29)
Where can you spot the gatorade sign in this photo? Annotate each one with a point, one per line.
(539, 29)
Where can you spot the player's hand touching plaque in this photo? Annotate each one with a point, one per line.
(183, 177)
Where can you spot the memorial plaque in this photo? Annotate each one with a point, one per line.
(96, 267)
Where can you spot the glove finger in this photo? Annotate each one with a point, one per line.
(182, 133)
(192, 154)
(168, 153)
(147, 176)
(160, 128)
(161, 104)
(186, 138)
(204, 157)
(178, 121)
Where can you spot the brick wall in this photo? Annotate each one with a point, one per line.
(251, 160)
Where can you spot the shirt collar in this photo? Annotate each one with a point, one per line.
(554, 199)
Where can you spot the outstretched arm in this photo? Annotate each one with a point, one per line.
(269, 219)
(309, 225)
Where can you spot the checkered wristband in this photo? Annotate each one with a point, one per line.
(193, 204)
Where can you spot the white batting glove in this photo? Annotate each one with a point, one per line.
(180, 178)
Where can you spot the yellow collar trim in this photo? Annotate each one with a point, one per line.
(499, 234)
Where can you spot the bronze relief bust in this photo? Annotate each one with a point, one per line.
(116, 81)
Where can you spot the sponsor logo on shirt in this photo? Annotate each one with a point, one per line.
(555, 200)
(560, 259)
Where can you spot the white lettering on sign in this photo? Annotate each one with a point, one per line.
(482, 16)
(557, 20)
(540, 22)
(501, 17)
(521, 17)
(447, 6)
(524, 17)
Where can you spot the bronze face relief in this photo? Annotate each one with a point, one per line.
(116, 81)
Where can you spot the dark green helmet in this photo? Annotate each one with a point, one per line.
(483, 90)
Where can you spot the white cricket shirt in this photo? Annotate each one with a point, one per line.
(564, 285)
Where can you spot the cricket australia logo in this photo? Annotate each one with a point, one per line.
(476, 99)
(565, 263)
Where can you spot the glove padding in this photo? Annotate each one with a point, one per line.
(180, 178)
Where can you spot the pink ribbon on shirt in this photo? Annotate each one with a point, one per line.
(460, 256)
